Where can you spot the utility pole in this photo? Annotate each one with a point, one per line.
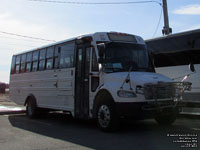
(166, 29)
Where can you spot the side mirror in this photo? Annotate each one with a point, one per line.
(101, 49)
(191, 67)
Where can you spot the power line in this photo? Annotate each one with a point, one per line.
(24, 36)
(158, 23)
(98, 3)
(89, 3)
(22, 39)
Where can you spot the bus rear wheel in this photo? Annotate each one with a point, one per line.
(31, 108)
(107, 119)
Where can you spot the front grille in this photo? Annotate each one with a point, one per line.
(160, 91)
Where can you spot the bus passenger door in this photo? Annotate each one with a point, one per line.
(82, 82)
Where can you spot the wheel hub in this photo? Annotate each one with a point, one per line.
(104, 116)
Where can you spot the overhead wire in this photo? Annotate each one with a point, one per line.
(158, 23)
(107, 3)
(24, 36)
(97, 3)
(89, 3)
(5, 37)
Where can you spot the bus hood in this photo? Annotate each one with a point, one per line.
(136, 78)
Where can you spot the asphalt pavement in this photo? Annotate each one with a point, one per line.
(57, 131)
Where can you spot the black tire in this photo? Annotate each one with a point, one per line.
(167, 119)
(31, 108)
(107, 118)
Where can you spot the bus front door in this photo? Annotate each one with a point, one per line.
(82, 82)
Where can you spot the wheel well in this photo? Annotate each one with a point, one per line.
(101, 96)
(30, 97)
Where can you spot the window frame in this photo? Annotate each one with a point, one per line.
(51, 57)
(17, 64)
(23, 63)
(72, 57)
(29, 61)
(94, 63)
(42, 59)
(34, 61)
(12, 71)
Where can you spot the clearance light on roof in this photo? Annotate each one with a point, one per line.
(84, 40)
(121, 37)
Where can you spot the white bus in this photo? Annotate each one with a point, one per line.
(172, 54)
(102, 76)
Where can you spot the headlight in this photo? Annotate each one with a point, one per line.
(126, 94)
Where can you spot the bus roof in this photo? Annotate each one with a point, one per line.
(94, 35)
(189, 40)
(193, 33)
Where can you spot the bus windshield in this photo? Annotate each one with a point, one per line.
(126, 57)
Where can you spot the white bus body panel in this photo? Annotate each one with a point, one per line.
(51, 88)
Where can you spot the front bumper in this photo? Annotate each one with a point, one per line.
(143, 110)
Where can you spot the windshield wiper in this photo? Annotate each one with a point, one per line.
(127, 79)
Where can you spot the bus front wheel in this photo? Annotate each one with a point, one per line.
(107, 119)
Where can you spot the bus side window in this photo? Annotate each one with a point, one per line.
(28, 62)
(94, 61)
(42, 59)
(17, 65)
(67, 55)
(49, 58)
(35, 61)
(56, 56)
(95, 68)
(23, 62)
(13, 65)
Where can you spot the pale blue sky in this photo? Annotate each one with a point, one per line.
(61, 21)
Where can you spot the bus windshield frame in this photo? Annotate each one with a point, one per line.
(124, 57)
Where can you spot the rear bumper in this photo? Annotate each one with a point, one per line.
(143, 110)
